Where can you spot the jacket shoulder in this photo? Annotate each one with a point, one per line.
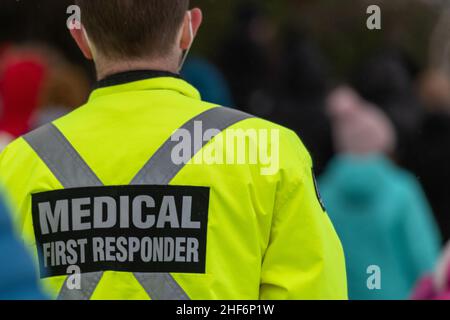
(288, 140)
(282, 144)
(16, 150)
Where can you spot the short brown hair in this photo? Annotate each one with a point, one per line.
(132, 28)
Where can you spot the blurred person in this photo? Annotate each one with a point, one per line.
(386, 80)
(274, 225)
(427, 155)
(434, 91)
(29, 65)
(435, 286)
(378, 209)
(18, 280)
(22, 73)
(301, 91)
(22, 77)
(245, 58)
(209, 81)
(66, 87)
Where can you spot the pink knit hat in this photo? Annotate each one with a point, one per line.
(358, 127)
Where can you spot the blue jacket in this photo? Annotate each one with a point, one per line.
(18, 280)
(383, 220)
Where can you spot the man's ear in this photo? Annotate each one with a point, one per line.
(80, 38)
(193, 19)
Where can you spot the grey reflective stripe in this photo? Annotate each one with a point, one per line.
(88, 284)
(161, 169)
(61, 158)
(161, 286)
(72, 171)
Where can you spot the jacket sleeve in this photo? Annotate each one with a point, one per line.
(304, 258)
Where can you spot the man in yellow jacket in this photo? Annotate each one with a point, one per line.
(146, 192)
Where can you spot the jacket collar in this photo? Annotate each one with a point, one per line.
(143, 80)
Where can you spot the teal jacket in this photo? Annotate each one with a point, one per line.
(385, 224)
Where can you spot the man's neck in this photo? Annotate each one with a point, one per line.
(107, 68)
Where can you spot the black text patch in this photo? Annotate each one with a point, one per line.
(126, 228)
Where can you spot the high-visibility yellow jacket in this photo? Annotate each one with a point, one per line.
(267, 235)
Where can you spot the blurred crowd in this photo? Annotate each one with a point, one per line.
(379, 135)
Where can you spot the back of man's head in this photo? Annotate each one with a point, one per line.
(133, 28)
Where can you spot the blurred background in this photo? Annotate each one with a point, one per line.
(372, 106)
